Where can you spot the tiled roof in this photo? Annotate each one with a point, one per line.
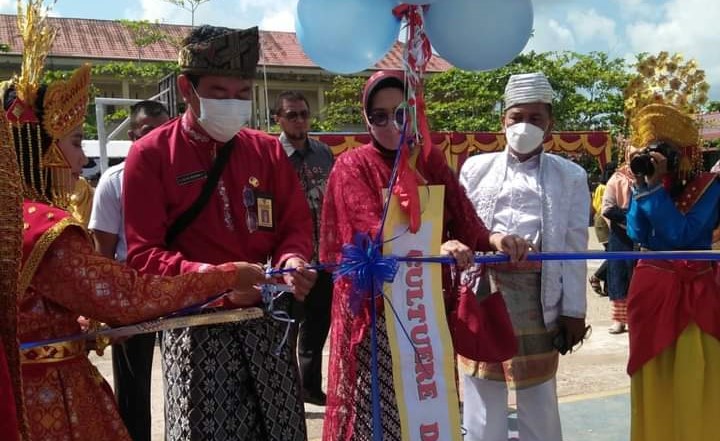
(110, 40)
(710, 125)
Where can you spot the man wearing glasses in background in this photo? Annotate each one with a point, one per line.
(312, 160)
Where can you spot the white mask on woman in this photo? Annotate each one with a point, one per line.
(524, 138)
(222, 119)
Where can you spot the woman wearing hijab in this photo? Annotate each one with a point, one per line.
(354, 204)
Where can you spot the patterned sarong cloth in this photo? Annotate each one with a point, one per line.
(226, 383)
(390, 419)
(536, 361)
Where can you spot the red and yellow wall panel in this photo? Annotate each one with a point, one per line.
(458, 146)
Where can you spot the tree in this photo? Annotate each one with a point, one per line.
(588, 92)
(588, 96)
(343, 109)
(190, 6)
(143, 33)
(588, 88)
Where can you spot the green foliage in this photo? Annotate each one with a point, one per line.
(118, 115)
(144, 33)
(343, 107)
(459, 100)
(713, 106)
(588, 96)
(134, 71)
(4, 47)
(588, 91)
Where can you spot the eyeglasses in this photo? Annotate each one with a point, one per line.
(249, 201)
(293, 115)
(380, 118)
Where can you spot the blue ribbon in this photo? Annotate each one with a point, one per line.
(539, 257)
(582, 255)
(367, 269)
(270, 293)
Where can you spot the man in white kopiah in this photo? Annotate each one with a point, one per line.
(545, 199)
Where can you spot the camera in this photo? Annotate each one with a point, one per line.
(642, 164)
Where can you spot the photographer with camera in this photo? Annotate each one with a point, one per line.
(673, 305)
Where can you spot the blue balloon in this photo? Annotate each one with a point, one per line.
(479, 34)
(346, 36)
(417, 2)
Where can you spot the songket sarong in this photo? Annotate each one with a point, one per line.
(228, 382)
(536, 361)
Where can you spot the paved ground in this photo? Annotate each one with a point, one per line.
(592, 383)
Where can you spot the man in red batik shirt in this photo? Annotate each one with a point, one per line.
(223, 382)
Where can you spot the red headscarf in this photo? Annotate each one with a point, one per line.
(406, 184)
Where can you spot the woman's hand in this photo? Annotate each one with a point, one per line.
(463, 255)
(660, 163)
(249, 275)
(514, 246)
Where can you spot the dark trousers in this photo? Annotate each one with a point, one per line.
(313, 331)
(619, 271)
(601, 272)
(132, 368)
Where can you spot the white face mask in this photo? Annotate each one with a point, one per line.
(524, 138)
(222, 119)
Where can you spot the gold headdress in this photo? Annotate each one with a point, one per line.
(663, 123)
(39, 117)
(660, 101)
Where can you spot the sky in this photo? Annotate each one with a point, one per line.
(621, 28)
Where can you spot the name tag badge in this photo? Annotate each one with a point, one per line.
(265, 212)
(191, 177)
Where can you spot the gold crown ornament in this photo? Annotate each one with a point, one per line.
(40, 116)
(664, 123)
(666, 79)
(659, 103)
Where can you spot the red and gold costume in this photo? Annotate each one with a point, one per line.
(59, 276)
(10, 255)
(9, 429)
(354, 204)
(62, 277)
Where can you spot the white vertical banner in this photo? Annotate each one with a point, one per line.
(422, 350)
